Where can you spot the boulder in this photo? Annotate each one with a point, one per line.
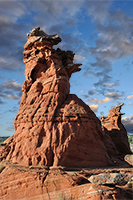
(108, 179)
(129, 159)
(98, 192)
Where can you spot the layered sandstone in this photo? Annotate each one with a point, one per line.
(37, 183)
(53, 127)
(115, 132)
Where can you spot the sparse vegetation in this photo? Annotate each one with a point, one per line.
(63, 197)
(2, 139)
(130, 138)
(2, 166)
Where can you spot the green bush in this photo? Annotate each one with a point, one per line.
(2, 139)
(130, 138)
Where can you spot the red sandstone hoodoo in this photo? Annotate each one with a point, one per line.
(53, 127)
(115, 132)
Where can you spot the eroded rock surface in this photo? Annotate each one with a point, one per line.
(53, 127)
(114, 130)
(108, 179)
(20, 182)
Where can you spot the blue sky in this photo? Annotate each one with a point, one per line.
(100, 33)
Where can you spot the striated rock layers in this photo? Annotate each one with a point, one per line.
(115, 132)
(53, 127)
(35, 183)
(58, 139)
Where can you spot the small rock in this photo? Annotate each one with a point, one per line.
(129, 158)
(130, 184)
(61, 168)
(107, 179)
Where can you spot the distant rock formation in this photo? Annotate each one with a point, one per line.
(53, 127)
(114, 129)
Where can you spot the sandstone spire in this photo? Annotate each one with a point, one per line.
(113, 127)
(53, 127)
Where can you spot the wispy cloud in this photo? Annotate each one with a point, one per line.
(11, 128)
(13, 96)
(19, 17)
(113, 42)
(78, 58)
(130, 97)
(11, 85)
(1, 102)
(111, 84)
(107, 91)
(99, 101)
(10, 90)
(12, 34)
(114, 38)
(115, 95)
(98, 10)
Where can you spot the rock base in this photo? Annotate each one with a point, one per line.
(59, 183)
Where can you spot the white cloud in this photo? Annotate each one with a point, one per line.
(12, 10)
(111, 84)
(95, 100)
(14, 96)
(114, 41)
(94, 107)
(98, 10)
(128, 123)
(78, 58)
(114, 37)
(10, 90)
(126, 119)
(10, 62)
(12, 85)
(130, 97)
(114, 95)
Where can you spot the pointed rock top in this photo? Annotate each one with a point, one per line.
(38, 35)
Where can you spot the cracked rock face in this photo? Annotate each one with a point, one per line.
(53, 127)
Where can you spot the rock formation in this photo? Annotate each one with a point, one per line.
(114, 130)
(36, 183)
(53, 127)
